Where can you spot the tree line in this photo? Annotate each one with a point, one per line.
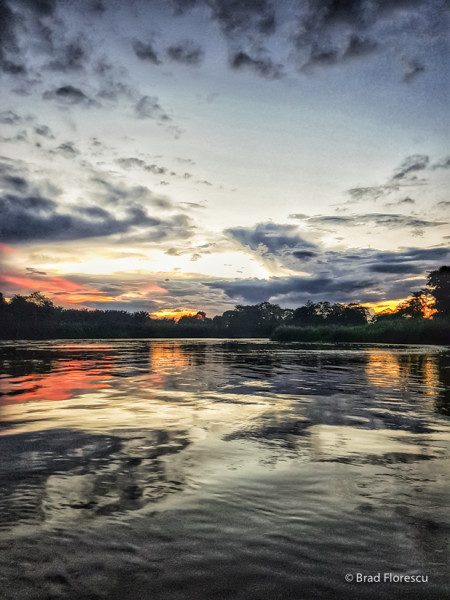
(36, 317)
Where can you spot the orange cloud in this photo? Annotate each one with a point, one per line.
(167, 313)
(154, 288)
(5, 249)
(392, 305)
(378, 307)
(64, 289)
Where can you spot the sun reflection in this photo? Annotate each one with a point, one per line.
(382, 368)
(400, 371)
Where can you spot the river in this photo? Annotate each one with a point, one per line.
(210, 469)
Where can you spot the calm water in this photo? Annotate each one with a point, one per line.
(218, 469)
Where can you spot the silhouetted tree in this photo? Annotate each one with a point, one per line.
(438, 285)
(414, 307)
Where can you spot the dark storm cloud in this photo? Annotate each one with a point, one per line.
(310, 33)
(9, 47)
(374, 275)
(43, 8)
(186, 52)
(69, 95)
(263, 66)
(410, 261)
(30, 218)
(398, 267)
(33, 218)
(18, 184)
(416, 162)
(269, 238)
(331, 32)
(329, 55)
(260, 290)
(69, 57)
(237, 17)
(338, 276)
(30, 212)
(411, 255)
(146, 51)
(42, 24)
(148, 107)
(304, 254)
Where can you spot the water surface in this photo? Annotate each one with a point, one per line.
(222, 469)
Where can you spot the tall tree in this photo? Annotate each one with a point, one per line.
(438, 285)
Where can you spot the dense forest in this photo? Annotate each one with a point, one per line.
(423, 318)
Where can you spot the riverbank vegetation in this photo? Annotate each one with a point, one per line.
(423, 318)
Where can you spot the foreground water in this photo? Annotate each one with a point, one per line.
(219, 469)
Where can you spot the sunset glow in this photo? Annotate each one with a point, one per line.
(189, 154)
(173, 314)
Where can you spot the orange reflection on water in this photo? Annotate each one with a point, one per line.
(382, 368)
(55, 385)
(398, 370)
(166, 359)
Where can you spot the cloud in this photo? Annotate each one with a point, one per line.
(8, 117)
(18, 184)
(389, 220)
(374, 275)
(416, 162)
(148, 107)
(186, 52)
(304, 254)
(44, 131)
(442, 164)
(237, 18)
(301, 288)
(263, 66)
(269, 238)
(403, 176)
(349, 48)
(68, 149)
(111, 81)
(33, 218)
(146, 51)
(29, 215)
(69, 95)
(131, 162)
(327, 33)
(120, 195)
(9, 47)
(411, 69)
(69, 57)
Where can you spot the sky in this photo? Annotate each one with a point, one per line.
(198, 154)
